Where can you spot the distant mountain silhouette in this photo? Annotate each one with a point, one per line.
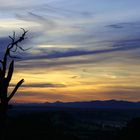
(110, 104)
(107, 104)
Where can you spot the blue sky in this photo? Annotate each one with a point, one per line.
(77, 38)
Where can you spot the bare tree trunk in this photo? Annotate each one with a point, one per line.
(5, 78)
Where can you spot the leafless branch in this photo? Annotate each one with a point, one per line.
(15, 89)
(16, 42)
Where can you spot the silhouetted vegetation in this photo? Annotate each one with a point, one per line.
(131, 131)
(72, 124)
(6, 74)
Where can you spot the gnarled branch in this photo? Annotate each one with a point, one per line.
(13, 44)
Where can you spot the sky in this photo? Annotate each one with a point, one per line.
(80, 50)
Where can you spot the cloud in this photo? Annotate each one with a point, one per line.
(32, 17)
(122, 93)
(112, 46)
(16, 5)
(57, 28)
(125, 25)
(118, 46)
(67, 12)
(117, 26)
(41, 85)
(30, 96)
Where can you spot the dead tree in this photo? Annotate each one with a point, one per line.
(6, 72)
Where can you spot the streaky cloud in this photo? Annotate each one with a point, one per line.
(126, 45)
(41, 85)
(125, 25)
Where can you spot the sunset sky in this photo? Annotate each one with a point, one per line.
(81, 50)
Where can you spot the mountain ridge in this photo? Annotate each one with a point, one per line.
(107, 104)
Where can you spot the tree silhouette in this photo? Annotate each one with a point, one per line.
(6, 73)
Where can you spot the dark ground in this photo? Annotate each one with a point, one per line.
(26, 123)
